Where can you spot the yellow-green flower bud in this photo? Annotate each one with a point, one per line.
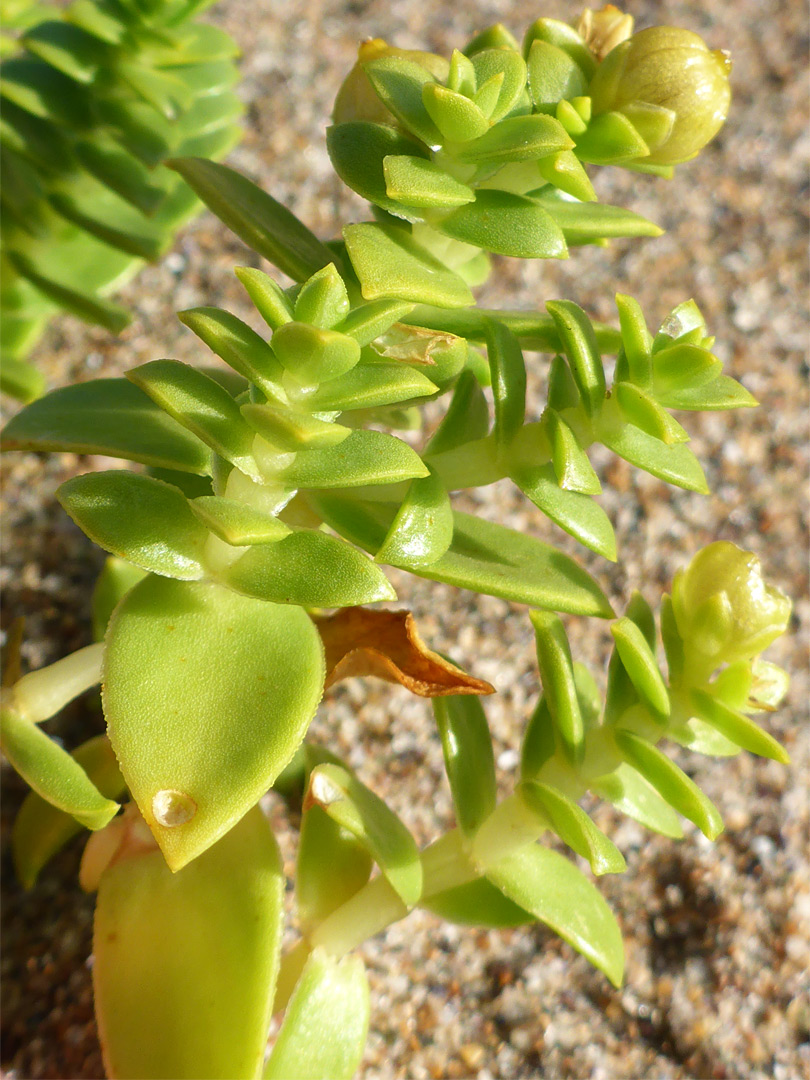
(723, 609)
(357, 99)
(672, 69)
(603, 30)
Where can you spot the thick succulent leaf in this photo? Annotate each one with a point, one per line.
(52, 773)
(468, 759)
(676, 463)
(578, 514)
(139, 519)
(574, 827)
(582, 349)
(476, 903)
(399, 83)
(488, 64)
(546, 884)
(389, 263)
(237, 523)
(359, 150)
(354, 806)
(264, 224)
(484, 557)
(539, 741)
(419, 182)
(202, 405)
(630, 793)
(368, 321)
(508, 382)
(737, 727)
(286, 430)
(237, 343)
(610, 139)
(233, 684)
(331, 866)
(365, 457)
(269, 299)
(41, 830)
(84, 305)
(309, 569)
(506, 224)
(457, 117)
(587, 222)
(572, 466)
(518, 138)
(641, 409)
(422, 530)
(190, 958)
(553, 74)
(723, 393)
(670, 782)
(322, 300)
(559, 685)
(639, 661)
(465, 420)
(369, 386)
(110, 417)
(332, 998)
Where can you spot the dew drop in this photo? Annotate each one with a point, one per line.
(173, 808)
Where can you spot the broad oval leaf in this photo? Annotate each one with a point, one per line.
(546, 884)
(110, 417)
(186, 964)
(139, 519)
(207, 695)
(332, 998)
(358, 150)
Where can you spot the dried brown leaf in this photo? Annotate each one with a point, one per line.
(362, 641)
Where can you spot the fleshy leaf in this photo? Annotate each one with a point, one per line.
(331, 866)
(422, 530)
(630, 793)
(578, 514)
(574, 827)
(737, 727)
(641, 666)
(517, 138)
(557, 677)
(114, 581)
(506, 224)
(466, 417)
(237, 523)
(555, 892)
(110, 417)
(483, 556)
(671, 783)
(468, 759)
(264, 224)
(191, 958)
(508, 382)
(51, 771)
(365, 457)
(386, 644)
(581, 348)
(139, 519)
(359, 149)
(309, 569)
(332, 997)
(389, 263)
(233, 685)
(476, 903)
(358, 809)
(40, 829)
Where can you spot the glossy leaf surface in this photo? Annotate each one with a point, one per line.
(234, 684)
(468, 759)
(365, 457)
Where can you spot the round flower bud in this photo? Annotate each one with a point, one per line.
(357, 99)
(723, 609)
(672, 69)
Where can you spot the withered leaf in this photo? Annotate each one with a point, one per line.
(362, 641)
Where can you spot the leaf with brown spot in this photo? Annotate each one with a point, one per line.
(386, 644)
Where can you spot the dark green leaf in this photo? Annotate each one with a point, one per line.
(465, 420)
(582, 349)
(641, 666)
(264, 224)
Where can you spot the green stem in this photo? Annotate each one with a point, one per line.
(41, 694)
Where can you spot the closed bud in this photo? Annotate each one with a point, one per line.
(723, 609)
(668, 68)
(603, 30)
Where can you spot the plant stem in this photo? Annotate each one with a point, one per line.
(41, 694)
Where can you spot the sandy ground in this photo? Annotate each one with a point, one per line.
(717, 935)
